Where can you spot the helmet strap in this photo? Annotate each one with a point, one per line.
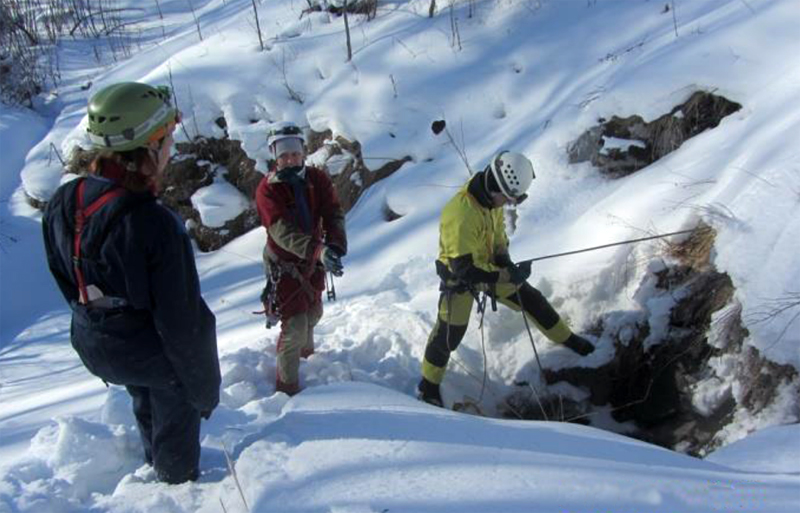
(490, 182)
(150, 169)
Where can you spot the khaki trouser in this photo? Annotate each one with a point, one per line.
(296, 339)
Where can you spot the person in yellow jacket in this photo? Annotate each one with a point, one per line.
(474, 257)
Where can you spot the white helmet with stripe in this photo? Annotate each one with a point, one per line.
(288, 132)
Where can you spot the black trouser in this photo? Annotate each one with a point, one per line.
(453, 317)
(170, 431)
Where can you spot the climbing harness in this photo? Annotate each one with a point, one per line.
(91, 295)
(81, 218)
(330, 288)
(269, 298)
(450, 284)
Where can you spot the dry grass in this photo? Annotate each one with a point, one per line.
(695, 250)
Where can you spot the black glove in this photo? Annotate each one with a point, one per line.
(332, 261)
(206, 414)
(579, 345)
(519, 273)
(503, 260)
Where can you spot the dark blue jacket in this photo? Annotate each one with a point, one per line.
(135, 249)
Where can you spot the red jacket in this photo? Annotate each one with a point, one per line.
(288, 241)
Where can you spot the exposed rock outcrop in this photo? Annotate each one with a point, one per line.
(203, 160)
(670, 384)
(194, 167)
(345, 163)
(621, 146)
(198, 163)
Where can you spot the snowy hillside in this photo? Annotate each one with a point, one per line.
(530, 76)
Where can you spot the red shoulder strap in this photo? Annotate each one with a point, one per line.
(81, 216)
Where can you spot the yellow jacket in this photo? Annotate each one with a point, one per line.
(467, 227)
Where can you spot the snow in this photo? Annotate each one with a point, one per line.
(772, 449)
(528, 76)
(361, 447)
(219, 202)
(615, 143)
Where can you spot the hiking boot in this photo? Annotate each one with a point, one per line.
(579, 345)
(289, 389)
(429, 392)
(174, 478)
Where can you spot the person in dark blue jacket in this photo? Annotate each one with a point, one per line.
(126, 266)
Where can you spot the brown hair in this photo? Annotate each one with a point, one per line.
(135, 169)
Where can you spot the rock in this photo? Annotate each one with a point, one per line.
(665, 385)
(354, 177)
(198, 161)
(647, 141)
(194, 167)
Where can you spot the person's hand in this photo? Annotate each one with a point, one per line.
(332, 261)
(519, 273)
(206, 414)
(503, 260)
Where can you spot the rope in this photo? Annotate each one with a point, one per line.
(483, 350)
(603, 246)
(535, 352)
(484, 380)
(494, 394)
(527, 324)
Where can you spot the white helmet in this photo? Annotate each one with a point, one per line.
(284, 130)
(513, 173)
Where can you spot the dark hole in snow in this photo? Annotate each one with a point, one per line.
(438, 126)
(651, 384)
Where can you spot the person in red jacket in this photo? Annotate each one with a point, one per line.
(306, 236)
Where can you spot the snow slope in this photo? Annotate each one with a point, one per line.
(525, 75)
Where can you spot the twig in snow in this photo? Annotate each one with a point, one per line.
(53, 149)
(196, 21)
(774, 307)
(748, 6)
(161, 17)
(258, 26)
(232, 471)
(347, 32)
(175, 99)
(674, 19)
(459, 149)
(294, 95)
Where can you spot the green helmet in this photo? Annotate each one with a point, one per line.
(129, 115)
